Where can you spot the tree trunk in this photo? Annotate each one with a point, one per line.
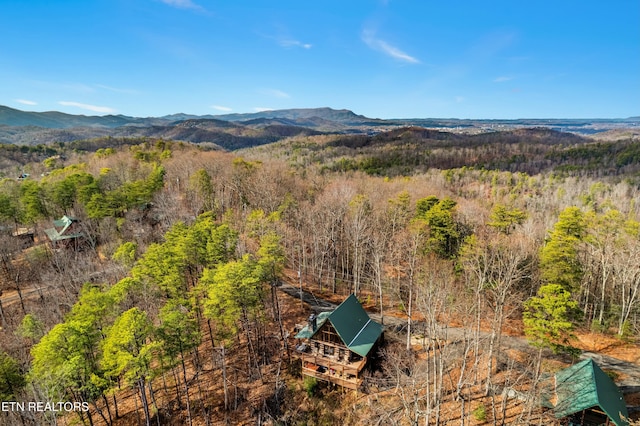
(409, 308)
(145, 403)
(135, 400)
(213, 344)
(186, 386)
(603, 294)
(224, 378)
(17, 282)
(2, 318)
(90, 418)
(463, 368)
(534, 386)
(176, 381)
(494, 341)
(100, 412)
(381, 303)
(334, 282)
(356, 270)
(106, 404)
(279, 319)
(628, 303)
(115, 406)
(153, 400)
(205, 408)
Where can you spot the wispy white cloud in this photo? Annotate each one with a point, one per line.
(221, 108)
(284, 38)
(460, 99)
(287, 42)
(262, 109)
(94, 108)
(78, 87)
(183, 4)
(117, 90)
(502, 79)
(275, 93)
(26, 102)
(370, 39)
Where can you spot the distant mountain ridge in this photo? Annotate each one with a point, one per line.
(233, 131)
(27, 128)
(295, 116)
(59, 120)
(343, 116)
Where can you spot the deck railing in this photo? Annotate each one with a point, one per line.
(353, 368)
(350, 383)
(327, 369)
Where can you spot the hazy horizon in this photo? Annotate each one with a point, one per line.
(88, 114)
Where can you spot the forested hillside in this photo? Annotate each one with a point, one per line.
(489, 258)
(410, 150)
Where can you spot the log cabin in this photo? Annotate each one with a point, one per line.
(335, 346)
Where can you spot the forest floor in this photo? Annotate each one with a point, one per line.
(609, 352)
(615, 356)
(251, 395)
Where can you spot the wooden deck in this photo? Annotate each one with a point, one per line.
(323, 368)
(327, 377)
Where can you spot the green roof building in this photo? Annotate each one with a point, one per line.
(587, 396)
(64, 232)
(337, 344)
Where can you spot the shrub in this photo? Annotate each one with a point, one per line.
(480, 413)
(602, 328)
(310, 385)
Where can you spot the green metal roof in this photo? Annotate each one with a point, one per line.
(584, 386)
(366, 338)
(307, 332)
(354, 326)
(53, 235)
(358, 332)
(64, 222)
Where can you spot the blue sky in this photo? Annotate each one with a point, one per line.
(379, 58)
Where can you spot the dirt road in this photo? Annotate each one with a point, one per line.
(9, 297)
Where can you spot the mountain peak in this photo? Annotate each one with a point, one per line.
(342, 116)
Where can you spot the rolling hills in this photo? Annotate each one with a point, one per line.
(235, 131)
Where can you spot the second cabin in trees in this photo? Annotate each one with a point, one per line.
(66, 233)
(335, 345)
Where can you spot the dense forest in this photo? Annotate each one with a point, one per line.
(168, 310)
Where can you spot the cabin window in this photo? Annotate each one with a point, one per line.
(329, 350)
(330, 336)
